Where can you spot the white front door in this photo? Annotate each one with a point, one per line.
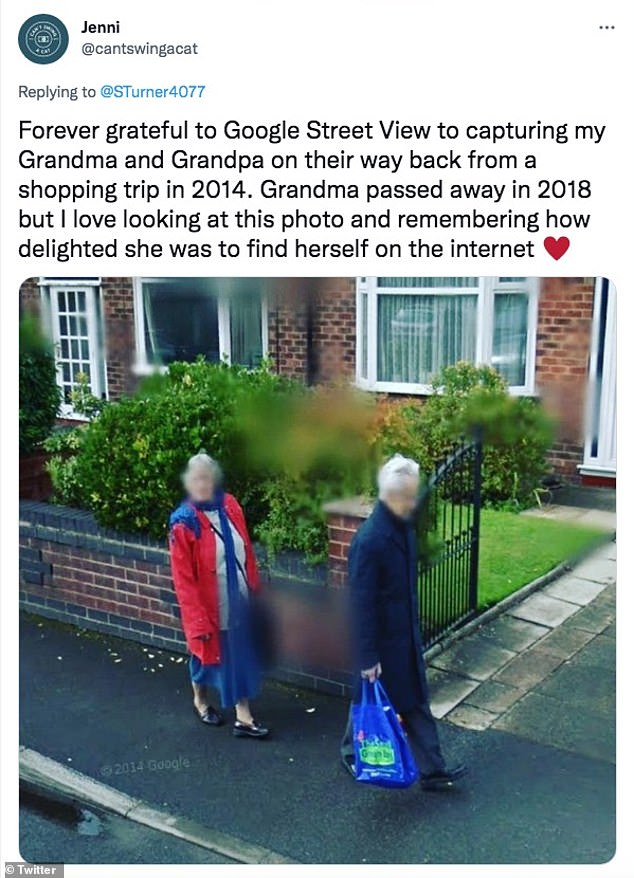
(600, 444)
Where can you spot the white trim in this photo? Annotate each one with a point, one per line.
(224, 329)
(69, 282)
(96, 357)
(485, 292)
(607, 472)
(602, 419)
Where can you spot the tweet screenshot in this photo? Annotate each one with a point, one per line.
(308, 363)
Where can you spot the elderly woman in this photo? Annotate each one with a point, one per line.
(214, 569)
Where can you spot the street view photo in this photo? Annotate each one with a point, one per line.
(317, 570)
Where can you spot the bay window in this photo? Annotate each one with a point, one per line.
(220, 319)
(409, 328)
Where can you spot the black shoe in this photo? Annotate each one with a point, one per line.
(249, 730)
(209, 716)
(443, 780)
(348, 764)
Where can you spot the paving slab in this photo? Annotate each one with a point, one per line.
(583, 687)
(607, 551)
(447, 691)
(543, 610)
(597, 570)
(596, 617)
(494, 696)
(470, 717)
(529, 668)
(566, 640)
(575, 590)
(607, 598)
(473, 657)
(551, 721)
(599, 653)
(511, 633)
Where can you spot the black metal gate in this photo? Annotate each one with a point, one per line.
(449, 541)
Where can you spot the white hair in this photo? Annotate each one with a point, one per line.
(394, 472)
(204, 462)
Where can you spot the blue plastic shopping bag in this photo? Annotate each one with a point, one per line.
(382, 756)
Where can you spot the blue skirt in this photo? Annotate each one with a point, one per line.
(239, 673)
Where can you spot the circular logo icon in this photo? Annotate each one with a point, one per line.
(43, 39)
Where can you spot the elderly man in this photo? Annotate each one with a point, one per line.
(386, 631)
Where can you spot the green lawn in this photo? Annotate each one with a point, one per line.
(515, 549)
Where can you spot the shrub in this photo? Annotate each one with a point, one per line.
(64, 446)
(39, 394)
(285, 449)
(516, 432)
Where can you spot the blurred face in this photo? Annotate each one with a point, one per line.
(402, 500)
(200, 485)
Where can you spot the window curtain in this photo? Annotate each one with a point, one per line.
(419, 334)
(432, 283)
(509, 337)
(245, 314)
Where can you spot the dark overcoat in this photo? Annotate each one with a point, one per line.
(384, 606)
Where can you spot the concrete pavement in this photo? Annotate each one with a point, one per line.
(545, 669)
(541, 787)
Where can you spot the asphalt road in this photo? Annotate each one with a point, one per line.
(50, 833)
(123, 716)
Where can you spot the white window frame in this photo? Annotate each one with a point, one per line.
(601, 463)
(485, 291)
(49, 287)
(143, 367)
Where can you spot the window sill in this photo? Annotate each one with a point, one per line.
(397, 387)
(143, 369)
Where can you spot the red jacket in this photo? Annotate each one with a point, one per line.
(193, 559)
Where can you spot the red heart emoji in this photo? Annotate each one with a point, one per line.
(556, 246)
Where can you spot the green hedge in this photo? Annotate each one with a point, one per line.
(39, 393)
(515, 430)
(286, 449)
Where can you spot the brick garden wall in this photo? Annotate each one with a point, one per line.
(74, 571)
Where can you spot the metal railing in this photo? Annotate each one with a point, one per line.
(449, 542)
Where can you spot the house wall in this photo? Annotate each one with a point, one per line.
(30, 296)
(117, 301)
(564, 333)
(312, 328)
(312, 337)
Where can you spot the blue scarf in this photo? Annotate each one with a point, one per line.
(233, 586)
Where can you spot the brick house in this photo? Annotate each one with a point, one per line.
(554, 338)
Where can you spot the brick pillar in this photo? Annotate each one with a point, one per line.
(344, 517)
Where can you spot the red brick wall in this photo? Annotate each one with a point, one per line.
(73, 571)
(312, 328)
(30, 296)
(117, 299)
(564, 331)
(344, 517)
(288, 326)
